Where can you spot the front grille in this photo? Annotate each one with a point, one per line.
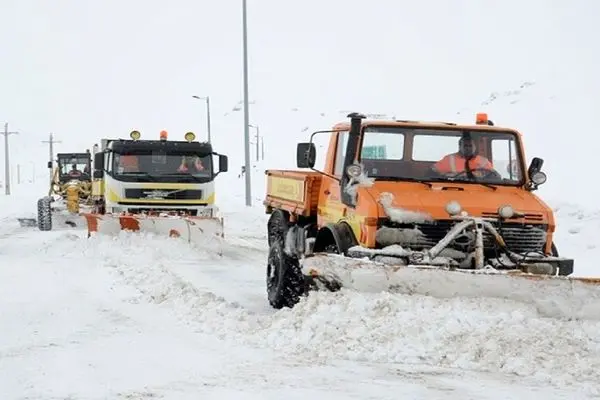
(519, 238)
(532, 217)
(163, 194)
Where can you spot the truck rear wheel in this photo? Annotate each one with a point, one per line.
(285, 283)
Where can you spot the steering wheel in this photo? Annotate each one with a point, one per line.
(487, 174)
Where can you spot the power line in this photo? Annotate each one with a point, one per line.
(6, 133)
(51, 142)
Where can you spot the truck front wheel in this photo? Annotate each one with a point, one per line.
(285, 283)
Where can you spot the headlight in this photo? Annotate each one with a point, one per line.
(354, 170)
(506, 212)
(453, 208)
(538, 178)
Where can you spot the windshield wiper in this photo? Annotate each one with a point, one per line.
(185, 175)
(454, 180)
(487, 185)
(399, 178)
(151, 178)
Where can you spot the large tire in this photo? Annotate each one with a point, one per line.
(44, 214)
(277, 227)
(285, 283)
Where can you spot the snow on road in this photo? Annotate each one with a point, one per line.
(138, 317)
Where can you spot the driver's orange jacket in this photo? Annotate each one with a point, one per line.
(129, 163)
(456, 163)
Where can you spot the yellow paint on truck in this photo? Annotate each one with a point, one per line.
(286, 188)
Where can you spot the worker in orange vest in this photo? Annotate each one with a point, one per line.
(128, 163)
(186, 164)
(465, 160)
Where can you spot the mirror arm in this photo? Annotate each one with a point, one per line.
(326, 174)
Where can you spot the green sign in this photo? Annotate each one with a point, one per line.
(374, 152)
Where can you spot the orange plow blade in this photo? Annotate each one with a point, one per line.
(201, 231)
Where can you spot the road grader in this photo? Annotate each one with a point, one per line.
(69, 193)
(397, 208)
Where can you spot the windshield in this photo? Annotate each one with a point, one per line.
(74, 166)
(161, 166)
(441, 155)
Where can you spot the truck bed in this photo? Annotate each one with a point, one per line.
(294, 191)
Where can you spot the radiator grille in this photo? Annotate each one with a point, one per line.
(519, 238)
(163, 194)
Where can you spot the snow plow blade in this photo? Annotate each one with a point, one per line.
(202, 231)
(553, 296)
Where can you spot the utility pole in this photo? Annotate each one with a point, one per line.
(257, 141)
(51, 142)
(246, 108)
(6, 159)
(207, 98)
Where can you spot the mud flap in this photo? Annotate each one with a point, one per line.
(201, 231)
(553, 296)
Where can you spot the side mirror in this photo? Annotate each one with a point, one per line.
(49, 164)
(98, 162)
(223, 163)
(535, 166)
(98, 174)
(536, 176)
(306, 153)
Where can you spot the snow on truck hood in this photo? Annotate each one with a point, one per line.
(419, 202)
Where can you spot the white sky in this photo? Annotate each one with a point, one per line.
(87, 70)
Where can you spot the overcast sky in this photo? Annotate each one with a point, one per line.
(87, 70)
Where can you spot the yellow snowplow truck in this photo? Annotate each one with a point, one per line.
(68, 195)
(160, 186)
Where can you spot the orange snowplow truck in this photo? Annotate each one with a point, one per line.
(398, 196)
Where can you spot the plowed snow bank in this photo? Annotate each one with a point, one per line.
(477, 334)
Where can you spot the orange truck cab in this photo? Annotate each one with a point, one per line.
(412, 193)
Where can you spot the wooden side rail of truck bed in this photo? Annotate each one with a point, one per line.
(294, 191)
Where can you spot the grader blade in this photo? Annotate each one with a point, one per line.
(203, 232)
(553, 296)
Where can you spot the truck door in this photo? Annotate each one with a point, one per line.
(331, 208)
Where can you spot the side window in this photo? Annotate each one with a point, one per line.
(340, 153)
(108, 161)
(505, 159)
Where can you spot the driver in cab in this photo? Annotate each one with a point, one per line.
(465, 161)
(74, 172)
(190, 164)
